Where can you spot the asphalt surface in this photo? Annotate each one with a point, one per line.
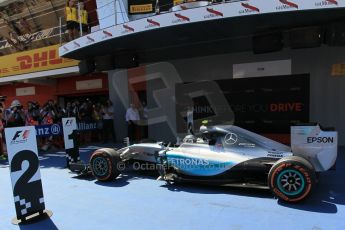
(136, 200)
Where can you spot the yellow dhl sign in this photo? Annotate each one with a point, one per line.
(36, 60)
(145, 8)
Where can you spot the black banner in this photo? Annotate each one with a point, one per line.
(262, 104)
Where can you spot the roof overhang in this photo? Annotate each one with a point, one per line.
(226, 27)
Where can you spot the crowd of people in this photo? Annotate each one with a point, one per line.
(101, 114)
(52, 113)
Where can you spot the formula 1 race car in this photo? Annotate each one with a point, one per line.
(232, 156)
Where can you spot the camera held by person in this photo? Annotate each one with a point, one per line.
(17, 108)
(16, 118)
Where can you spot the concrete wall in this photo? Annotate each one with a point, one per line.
(327, 93)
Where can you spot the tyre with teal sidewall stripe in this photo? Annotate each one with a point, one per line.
(103, 164)
(292, 179)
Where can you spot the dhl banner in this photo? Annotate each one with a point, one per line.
(36, 60)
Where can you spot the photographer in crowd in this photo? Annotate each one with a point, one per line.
(47, 118)
(33, 113)
(15, 115)
(85, 111)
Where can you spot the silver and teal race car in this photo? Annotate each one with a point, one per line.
(232, 156)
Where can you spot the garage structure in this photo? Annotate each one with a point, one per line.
(262, 65)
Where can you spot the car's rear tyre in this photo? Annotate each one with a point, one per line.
(292, 179)
(104, 164)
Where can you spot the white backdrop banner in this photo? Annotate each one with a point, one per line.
(262, 69)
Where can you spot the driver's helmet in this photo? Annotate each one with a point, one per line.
(190, 139)
(203, 126)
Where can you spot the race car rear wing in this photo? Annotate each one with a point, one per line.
(317, 145)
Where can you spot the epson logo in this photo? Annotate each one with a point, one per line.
(320, 139)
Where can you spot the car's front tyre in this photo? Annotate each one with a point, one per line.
(104, 164)
(292, 179)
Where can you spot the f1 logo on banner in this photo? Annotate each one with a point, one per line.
(20, 137)
(68, 122)
(69, 134)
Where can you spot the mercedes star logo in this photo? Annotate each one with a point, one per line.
(230, 138)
